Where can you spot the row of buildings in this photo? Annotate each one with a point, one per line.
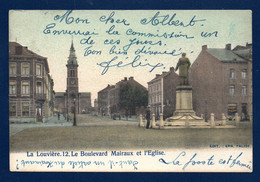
(31, 94)
(221, 79)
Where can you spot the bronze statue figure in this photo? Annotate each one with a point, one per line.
(183, 65)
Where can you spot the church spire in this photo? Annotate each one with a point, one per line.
(72, 57)
(72, 47)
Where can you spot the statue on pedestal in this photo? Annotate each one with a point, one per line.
(183, 65)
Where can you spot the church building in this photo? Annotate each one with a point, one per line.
(66, 102)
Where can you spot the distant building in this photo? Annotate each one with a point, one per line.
(162, 93)
(103, 101)
(31, 95)
(109, 97)
(221, 80)
(66, 102)
(96, 106)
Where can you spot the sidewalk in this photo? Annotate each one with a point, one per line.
(52, 122)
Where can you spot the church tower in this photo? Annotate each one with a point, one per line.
(72, 92)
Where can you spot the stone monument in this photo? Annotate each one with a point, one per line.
(184, 90)
(184, 113)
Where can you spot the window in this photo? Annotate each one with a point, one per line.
(25, 69)
(72, 73)
(244, 74)
(39, 87)
(25, 88)
(232, 74)
(232, 90)
(244, 90)
(12, 109)
(39, 70)
(25, 109)
(12, 69)
(232, 109)
(12, 87)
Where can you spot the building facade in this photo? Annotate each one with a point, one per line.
(222, 82)
(162, 93)
(72, 99)
(31, 95)
(109, 97)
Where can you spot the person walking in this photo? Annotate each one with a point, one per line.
(148, 117)
(58, 116)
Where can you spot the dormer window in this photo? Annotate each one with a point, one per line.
(18, 50)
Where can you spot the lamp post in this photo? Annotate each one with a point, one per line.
(74, 120)
(67, 104)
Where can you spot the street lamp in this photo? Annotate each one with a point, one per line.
(74, 120)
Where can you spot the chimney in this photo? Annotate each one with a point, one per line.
(228, 46)
(18, 50)
(125, 79)
(204, 47)
(171, 68)
(157, 75)
(131, 78)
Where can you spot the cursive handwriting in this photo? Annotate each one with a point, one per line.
(135, 63)
(171, 21)
(70, 19)
(165, 35)
(110, 19)
(49, 30)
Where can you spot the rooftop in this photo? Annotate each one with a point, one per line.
(16, 49)
(225, 55)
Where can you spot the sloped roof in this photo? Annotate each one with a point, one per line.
(225, 55)
(239, 47)
(106, 88)
(25, 51)
(245, 53)
(161, 75)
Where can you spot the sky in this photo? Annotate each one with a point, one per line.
(177, 31)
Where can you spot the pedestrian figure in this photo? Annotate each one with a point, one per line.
(58, 116)
(114, 116)
(126, 115)
(148, 117)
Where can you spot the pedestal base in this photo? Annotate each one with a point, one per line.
(184, 114)
(184, 101)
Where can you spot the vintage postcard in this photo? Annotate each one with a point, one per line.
(130, 90)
